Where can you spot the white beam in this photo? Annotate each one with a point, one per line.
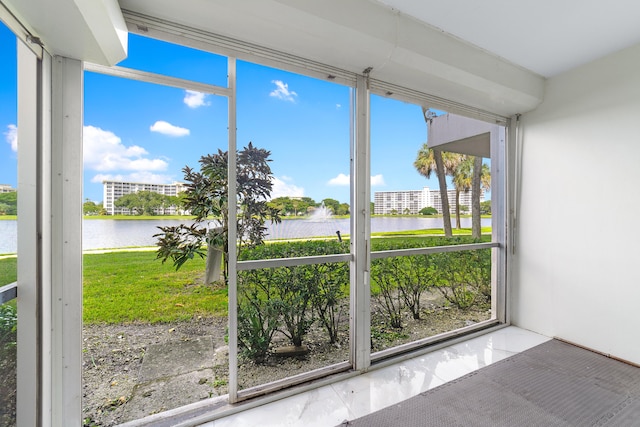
(88, 30)
(357, 34)
(66, 241)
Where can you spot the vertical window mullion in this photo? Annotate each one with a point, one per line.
(29, 355)
(360, 327)
(232, 237)
(65, 249)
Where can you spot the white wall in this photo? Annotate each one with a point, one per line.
(577, 268)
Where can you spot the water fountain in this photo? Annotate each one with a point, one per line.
(321, 213)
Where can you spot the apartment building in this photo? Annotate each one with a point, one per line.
(412, 201)
(113, 190)
(6, 188)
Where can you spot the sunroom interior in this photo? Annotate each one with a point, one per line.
(548, 92)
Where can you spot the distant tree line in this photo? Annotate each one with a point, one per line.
(300, 206)
(9, 203)
(149, 203)
(92, 208)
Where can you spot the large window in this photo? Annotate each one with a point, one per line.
(330, 253)
(153, 336)
(302, 307)
(421, 290)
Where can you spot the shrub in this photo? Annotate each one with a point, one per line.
(416, 278)
(289, 298)
(293, 289)
(384, 274)
(258, 317)
(464, 276)
(8, 335)
(333, 280)
(257, 322)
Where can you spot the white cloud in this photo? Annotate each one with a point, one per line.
(103, 151)
(341, 180)
(144, 176)
(282, 91)
(377, 180)
(338, 106)
(283, 187)
(11, 135)
(344, 180)
(166, 128)
(195, 99)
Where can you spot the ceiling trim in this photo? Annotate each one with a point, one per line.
(85, 30)
(199, 39)
(222, 45)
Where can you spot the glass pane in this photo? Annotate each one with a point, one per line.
(417, 297)
(291, 320)
(295, 319)
(8, 223)
(304, 124)
(153, 335)
(168, 59)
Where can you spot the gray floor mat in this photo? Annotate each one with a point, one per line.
(553, 384)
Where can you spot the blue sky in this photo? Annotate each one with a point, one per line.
(147, 133)
(8, 108)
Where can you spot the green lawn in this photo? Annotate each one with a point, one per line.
(8, 271)
(430, 231)
(122, 287)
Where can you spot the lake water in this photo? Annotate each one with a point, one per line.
(104, 233)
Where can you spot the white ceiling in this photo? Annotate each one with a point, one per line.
(543, 36)
(487, 54)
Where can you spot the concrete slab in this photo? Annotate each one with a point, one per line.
(176, 358)
(170, 392)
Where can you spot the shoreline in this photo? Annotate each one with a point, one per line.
(381, 235)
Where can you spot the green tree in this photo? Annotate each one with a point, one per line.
(344, 209)
(9, 203)
(91, 208)
(470, 174)
(142, 202)
(175, 202)
(207, 199)
(461, 176)
(281, 204)
(291, 206)
(429, 161)
(429, 210)
(485, 207)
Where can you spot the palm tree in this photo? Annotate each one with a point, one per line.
(462, 178)
(427, 162)
(471, 174)
(481, 181)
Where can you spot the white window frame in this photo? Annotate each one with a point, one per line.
(51, 293)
